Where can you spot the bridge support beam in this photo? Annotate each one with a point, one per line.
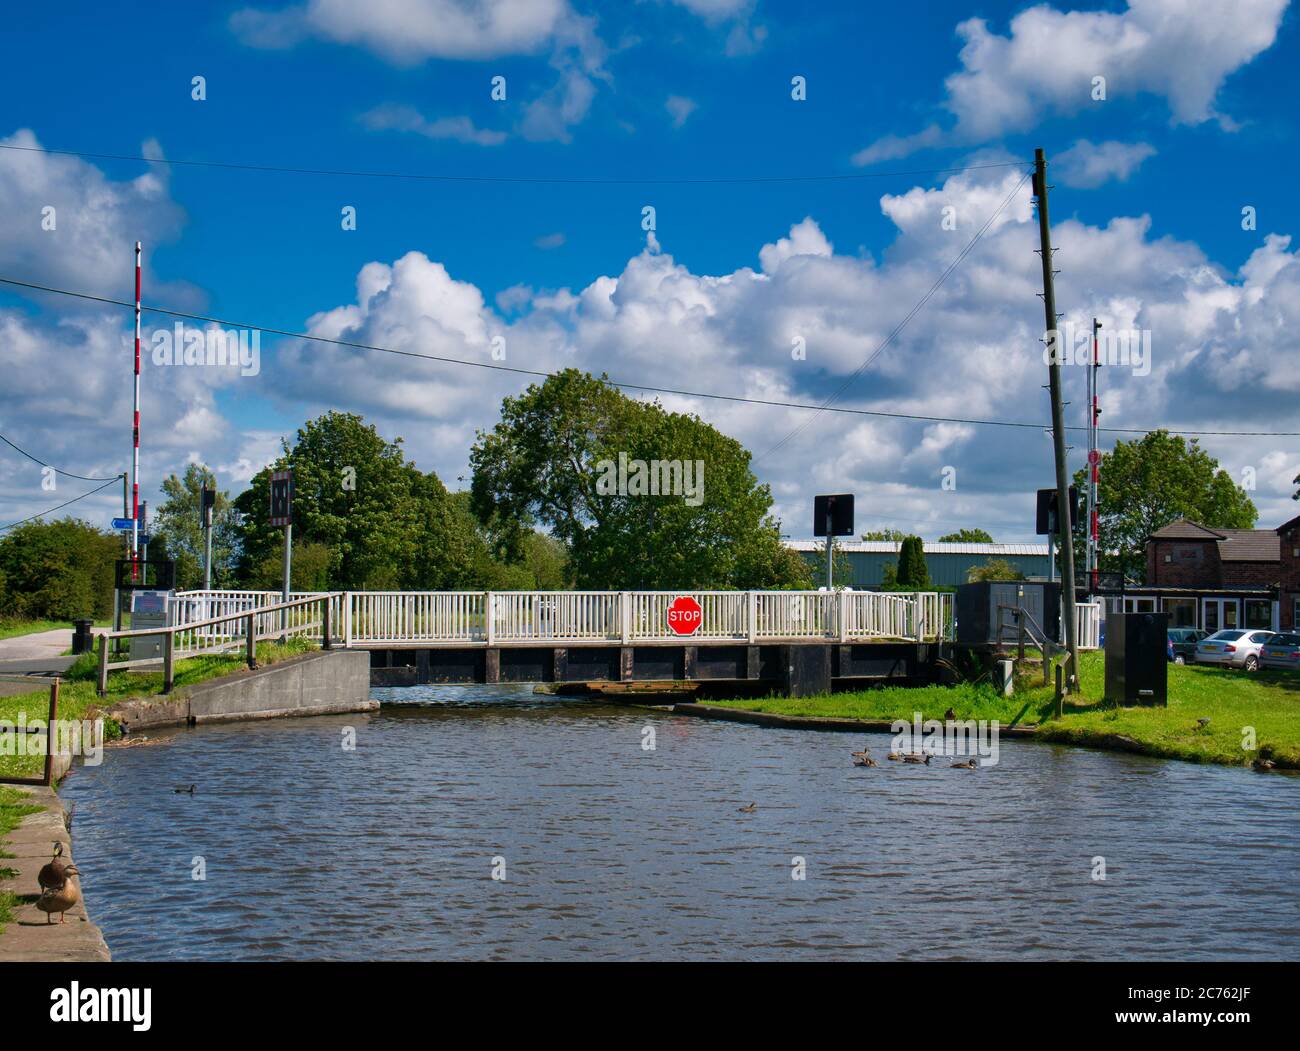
(805, 670)
(492, 665)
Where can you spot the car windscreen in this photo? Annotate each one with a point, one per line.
(1226, 636)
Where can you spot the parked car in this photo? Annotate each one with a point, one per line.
(1183, 641)
(1234, 647)
(1281, 651)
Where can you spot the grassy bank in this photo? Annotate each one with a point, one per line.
(77, 692)
(1268, 702)
(12, 810)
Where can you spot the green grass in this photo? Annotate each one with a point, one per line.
(1233, 701)
(77, 692)
(12, 811)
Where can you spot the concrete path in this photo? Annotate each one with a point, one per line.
(30, 936)
(38, 656)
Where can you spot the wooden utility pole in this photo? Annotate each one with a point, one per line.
(1056, 349)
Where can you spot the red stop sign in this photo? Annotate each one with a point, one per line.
(684, 615)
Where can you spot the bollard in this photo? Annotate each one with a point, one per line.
(82, 639)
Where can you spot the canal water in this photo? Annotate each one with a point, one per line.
(611, 850)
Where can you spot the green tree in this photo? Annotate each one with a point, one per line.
(966, 536)
(379, 521)
(994, 569)
(57, 570)
(1149, 482)
(553, 458)
(884, 534)
(178, 529)
(913, 572)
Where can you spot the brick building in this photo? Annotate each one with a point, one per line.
(1289, 577)
(1216, 578)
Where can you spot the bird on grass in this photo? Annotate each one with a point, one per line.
(749, 809)
(60, 897)
(1203, 722)
(1263, 764)
(185, 791)
(969, 764)
(950, 715)
(913, 758)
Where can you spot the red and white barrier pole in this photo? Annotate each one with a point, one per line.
(135, 435)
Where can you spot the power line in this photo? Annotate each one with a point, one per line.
(901, 325)
(57, 470)
(623, 384)
(509, 179)
(51, 511)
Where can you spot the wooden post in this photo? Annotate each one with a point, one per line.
(250, 643)
(169, 661)
(103, 665)
(49, 731)
(325, 623)
(488, 627)
(1060, 694)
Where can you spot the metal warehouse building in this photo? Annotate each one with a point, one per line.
(948, 563)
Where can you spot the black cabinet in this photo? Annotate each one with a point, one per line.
(1137, 663)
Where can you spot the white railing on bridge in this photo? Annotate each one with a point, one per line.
(371, 618)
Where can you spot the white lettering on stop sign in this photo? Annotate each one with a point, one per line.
(684, 615)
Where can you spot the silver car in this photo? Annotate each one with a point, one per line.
(1281, 651)
(1234, 647)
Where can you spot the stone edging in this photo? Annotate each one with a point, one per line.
(29, 937)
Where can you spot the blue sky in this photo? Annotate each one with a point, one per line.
(1197, 123)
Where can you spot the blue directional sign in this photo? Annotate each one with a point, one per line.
(124, 524)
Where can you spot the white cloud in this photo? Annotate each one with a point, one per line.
(394, 117)
(409, 31)
(1180, 51)
(972, 353)
(96, 221)
(680, 108)
(1087, 165)
(548, 241)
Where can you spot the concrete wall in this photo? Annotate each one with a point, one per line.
(325, 683)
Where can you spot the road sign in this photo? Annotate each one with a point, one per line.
(282, 498)
(684, 615)
(1046, 516)
(124, 525)
(839, 509)
(144, 539)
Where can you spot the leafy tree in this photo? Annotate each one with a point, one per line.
(966, 536)
(913, 572)
(178, 529)
(366, 518)
(994, 569)
(57, 570)
(309, 569)
(549, 461)
(884, 534)
(1151, 481)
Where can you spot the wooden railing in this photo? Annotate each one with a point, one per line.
(312, 616)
